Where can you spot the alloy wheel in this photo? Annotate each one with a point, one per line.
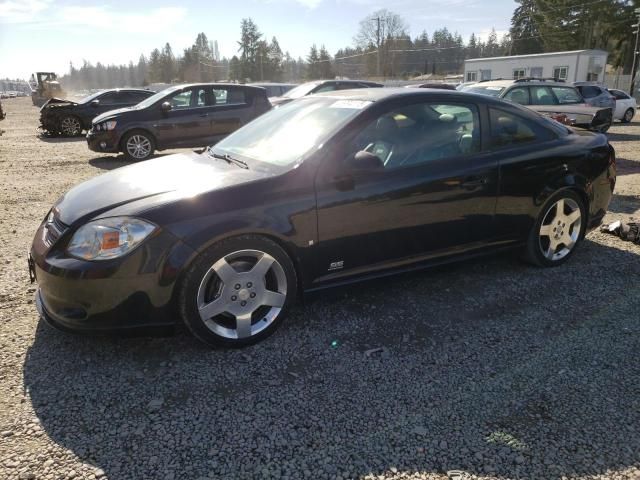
(242, 294)
(138, 146)
(70, 126)
(560, 229)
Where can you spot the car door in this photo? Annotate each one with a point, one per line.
(186, 123)
(434, 194)
(232, 107)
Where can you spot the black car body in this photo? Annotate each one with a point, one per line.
(70, 118)
(399, 179)
(182, 116)
(321, 86)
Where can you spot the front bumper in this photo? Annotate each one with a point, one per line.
(133, 292)
(105, 142)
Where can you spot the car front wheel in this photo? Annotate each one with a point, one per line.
(558, 230)
(238, 291)
(138, 145)
(70, 126)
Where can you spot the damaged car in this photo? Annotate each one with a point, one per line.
(70, 118)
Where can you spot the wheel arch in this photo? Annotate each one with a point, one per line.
(287, 246)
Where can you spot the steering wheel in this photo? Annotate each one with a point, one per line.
(383, 150)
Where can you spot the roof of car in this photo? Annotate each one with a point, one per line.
(523, 81)
(378, 94)
(212, 84)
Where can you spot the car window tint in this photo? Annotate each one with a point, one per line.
(329, 87)
(181, 100)
(541, 95)
(518, 95)
(110, 98)
(231, 96)
(421, 133)
(133, 97)
(619, 95)
(567, 95)
(508, 129)
(590, 91)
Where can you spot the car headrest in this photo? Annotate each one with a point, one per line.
(447, 118)
(386, 126)
(507, 125)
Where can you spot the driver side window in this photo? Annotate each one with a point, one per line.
(181, 100)
(421, 133)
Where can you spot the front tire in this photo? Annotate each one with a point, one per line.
(558, 230)
(70, 126)
(238, 291)
(138, 145)
(628, 116)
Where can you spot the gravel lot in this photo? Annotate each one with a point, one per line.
(488, 369)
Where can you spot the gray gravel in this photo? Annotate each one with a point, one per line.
(486, 369)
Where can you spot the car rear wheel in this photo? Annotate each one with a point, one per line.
(70, 126)
(138, 145)
(238, 291)
(557, 231)
(628, 115)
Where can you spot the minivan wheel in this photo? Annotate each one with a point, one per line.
(138, 145)
(628, 116)
(238, 291)
(558, 230)
(70, 126)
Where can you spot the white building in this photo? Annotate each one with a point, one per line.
(574, 66)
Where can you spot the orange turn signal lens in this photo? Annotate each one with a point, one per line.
(110, 240)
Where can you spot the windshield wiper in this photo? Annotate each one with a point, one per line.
(228, 158)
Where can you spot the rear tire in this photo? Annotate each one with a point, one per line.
(558, 230)
(628, 116)
(138, 145)
(238, 291)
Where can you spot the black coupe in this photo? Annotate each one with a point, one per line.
(325, 190)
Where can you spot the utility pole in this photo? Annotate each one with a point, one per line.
(635, 52)
(379, 45)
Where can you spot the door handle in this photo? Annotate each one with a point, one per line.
(474, 182)
(204, 115)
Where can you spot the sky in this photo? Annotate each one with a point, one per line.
(45, 35)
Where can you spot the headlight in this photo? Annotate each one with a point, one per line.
(109, 125)
(109, 238)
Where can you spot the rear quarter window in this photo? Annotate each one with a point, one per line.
(509, 130)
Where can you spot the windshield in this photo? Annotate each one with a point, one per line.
(154, 98)
(487, 90)
(301, 90)
(91, 97)
(285, 135)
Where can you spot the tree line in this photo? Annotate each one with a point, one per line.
(382, 48)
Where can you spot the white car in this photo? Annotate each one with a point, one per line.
(625, 106)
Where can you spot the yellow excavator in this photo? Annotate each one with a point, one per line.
(44, 86)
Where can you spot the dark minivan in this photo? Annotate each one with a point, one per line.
(182, 116)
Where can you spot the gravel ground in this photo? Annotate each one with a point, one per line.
(485, 369)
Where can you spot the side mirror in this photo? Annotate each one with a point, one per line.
(364, 160)
(95, 103)
(165, 107)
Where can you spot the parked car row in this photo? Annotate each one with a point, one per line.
(583, 94)
(139, 122)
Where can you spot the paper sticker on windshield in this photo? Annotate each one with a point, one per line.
(352, 104)
(493, 88)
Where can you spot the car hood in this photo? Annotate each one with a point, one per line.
(56, 102)
(110, 114)
(151, 183)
